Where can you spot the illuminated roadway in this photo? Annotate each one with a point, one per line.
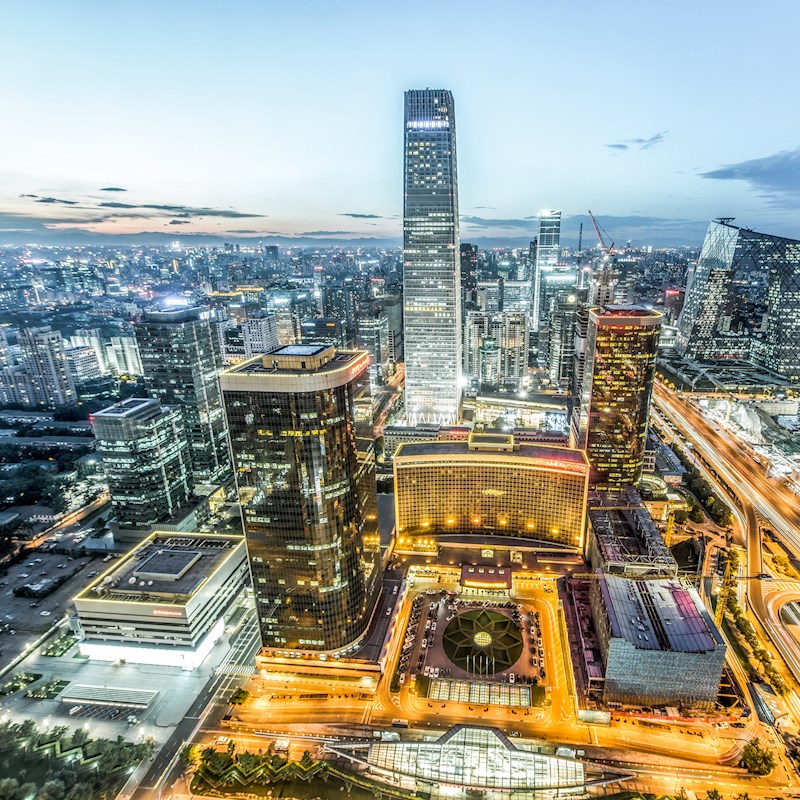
(661, 752)
(757, 494)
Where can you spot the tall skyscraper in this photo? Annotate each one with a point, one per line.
(731, 252)
(469, 275)
(146, 461)
(181, 357)
(300, 422)
(562, 340)
(615, 396)
(431, 258)
(548, 247)
(45, 360)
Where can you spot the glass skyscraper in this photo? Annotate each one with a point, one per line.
(300, 423)
(146, 461)
(431, 258)
(547, 249)
(618, 378)
(181, 358)
(731, 252)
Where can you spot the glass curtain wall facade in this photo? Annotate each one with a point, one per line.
(431, 259)
(300, 426)
(708, 294)
(547, 249)
(615, 397)
(145, 459)
(728, 253)
(182, 358)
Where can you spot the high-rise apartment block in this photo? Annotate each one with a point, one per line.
(300, 422)
(181, 356)
(507, 351)
(610, 422)
(431, 258)
(146, 461)
(259, 334)
(45, 362)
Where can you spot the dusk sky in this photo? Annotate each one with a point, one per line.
(270, 118)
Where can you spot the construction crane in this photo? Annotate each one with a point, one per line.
(607, 249)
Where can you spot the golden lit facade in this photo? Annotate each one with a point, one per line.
(616, 391)
(490, 486)
(300, 426)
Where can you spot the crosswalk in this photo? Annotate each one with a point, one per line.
(242, 670)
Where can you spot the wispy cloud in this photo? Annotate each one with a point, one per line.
(183, 211)
(778, 176)
(327, 233)
(179, 222)
(489, 222)
(356, 215)
(53, 200)
(638, 143)
(112, 189)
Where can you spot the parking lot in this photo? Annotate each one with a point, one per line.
(23, 619)
(422, 653)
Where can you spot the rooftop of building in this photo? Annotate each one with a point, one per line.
(658, 615)
(132, 408)
(173, 315)
(294, 359)
(613, 311)
(626, 536)
(166, 568)
(495, 445)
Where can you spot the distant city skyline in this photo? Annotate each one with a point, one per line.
(250, 121)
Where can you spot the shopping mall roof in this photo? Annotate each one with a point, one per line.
(469, 756)
(658, 615)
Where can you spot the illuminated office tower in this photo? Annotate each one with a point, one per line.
(145, 459)
(300, 423)
(181, 358)
(548, 247)
(618, 375)
(431, 259)
(45, 360)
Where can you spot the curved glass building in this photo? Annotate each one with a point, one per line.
(300, 427)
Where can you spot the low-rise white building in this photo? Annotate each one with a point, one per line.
(165, 601)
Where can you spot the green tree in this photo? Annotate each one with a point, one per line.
(249, 762)
(52, 790)
(757, 759)
(713, 794)
(190, 755)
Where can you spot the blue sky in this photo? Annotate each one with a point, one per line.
(239, 118)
